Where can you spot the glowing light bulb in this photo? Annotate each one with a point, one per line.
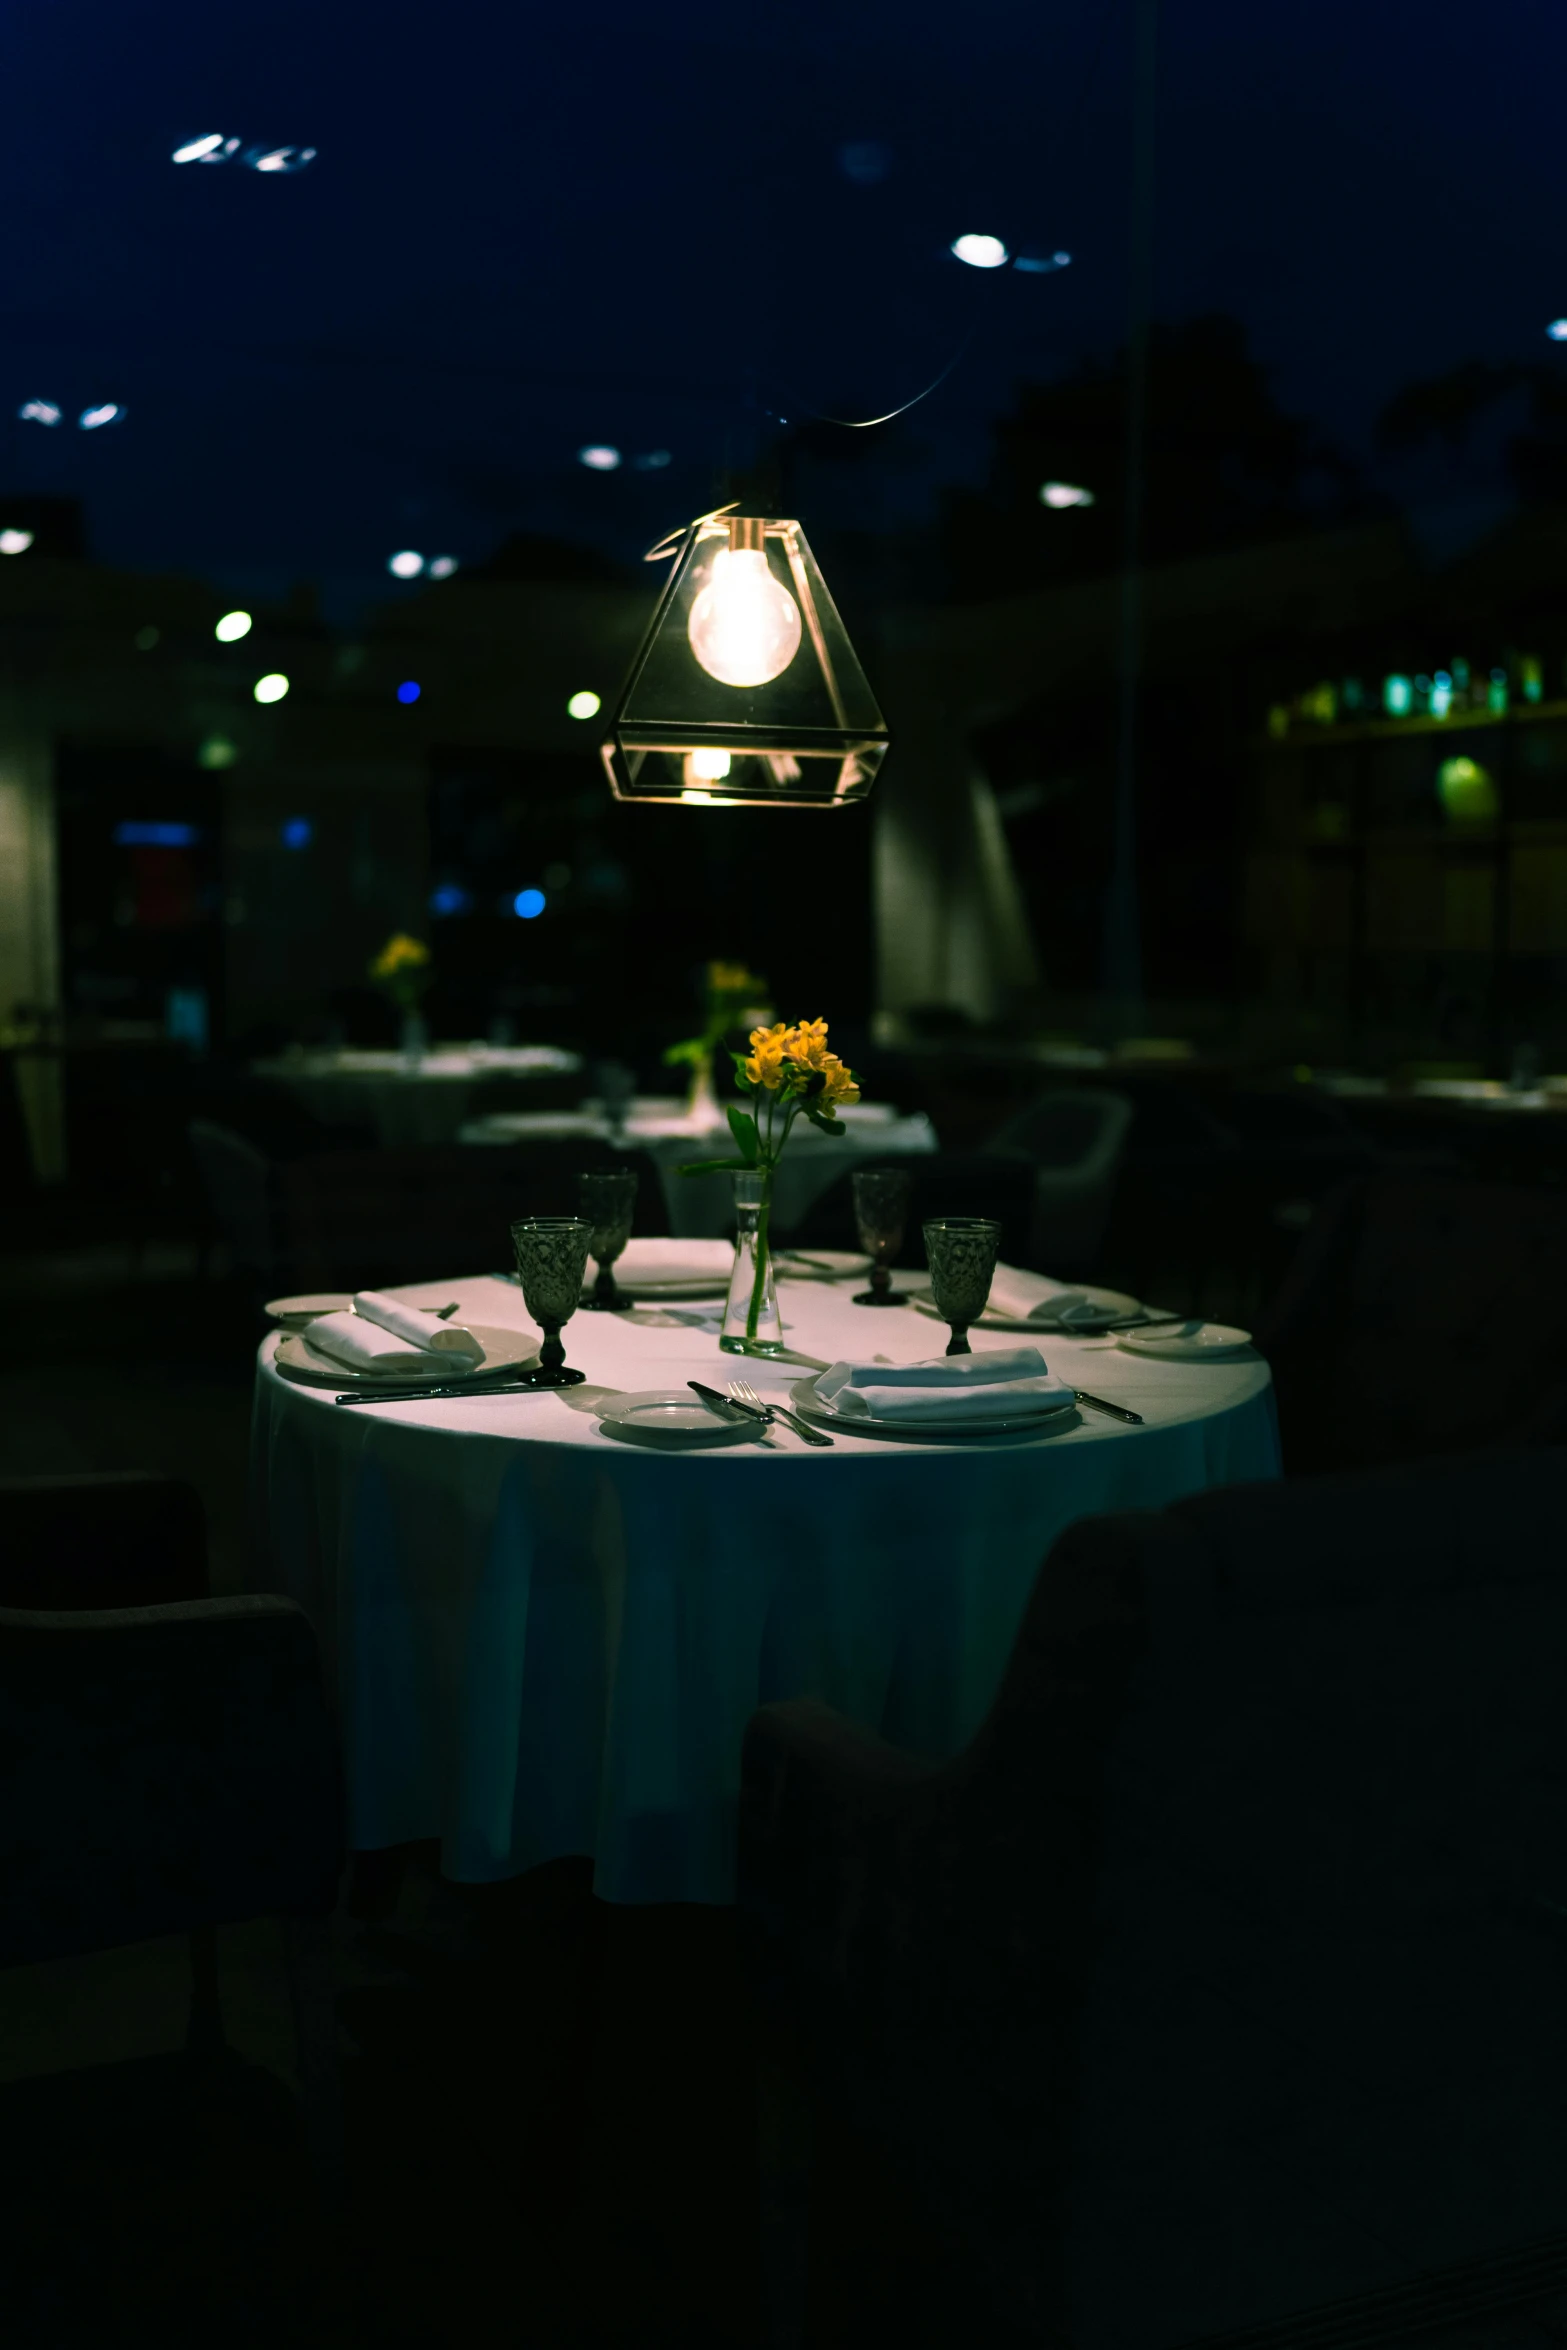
(745, 625)
(197, 150)
(232, 627)
(708, 766)
(1061, 494)
(405, 564)
(15, 542)
(270, 688)
(583, 705)
(599, 457)
(1557, 330)
(93, 419)
(39, 412)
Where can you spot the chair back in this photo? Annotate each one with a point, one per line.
(237, 1178)
(1251, 1943)
(1075, 1138)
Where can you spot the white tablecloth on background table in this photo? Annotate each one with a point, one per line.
(410, 1102)
(547, 1640)
(701, 1207)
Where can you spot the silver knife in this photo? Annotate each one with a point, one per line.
(433, 1394)
(1116, 1411)
(725, 1404)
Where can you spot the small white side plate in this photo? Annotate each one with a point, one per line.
(667, 1411)
(296, 1313)
(1100, 1306)
(1203, 1343)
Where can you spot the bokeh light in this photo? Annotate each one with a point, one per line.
(449, 898)
(1032, 264)
(216, 753)
(146, 638)
(405, 564)
(528, 904)
(653, 462)
(232, 627)
(980, 252)
(708, 766)
(278, 158)
(1467, 791)
(39, 412)
(194, 150)
(108, 412)
(583, 705)
(599, 457)
(441, 566)
(408, 691)
(1064, 493)
(1557, 330)
(297, 832)
(270, 688)
(15, 542)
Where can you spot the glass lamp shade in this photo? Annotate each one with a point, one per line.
(745, 691)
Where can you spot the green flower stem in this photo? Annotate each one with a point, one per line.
(759, 1284)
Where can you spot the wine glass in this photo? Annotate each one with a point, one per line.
(881, 1209)
(961, 1252)
(552, 1257)
(607, 1198)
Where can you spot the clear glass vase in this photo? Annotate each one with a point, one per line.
(752, 1324)
(414, 1039)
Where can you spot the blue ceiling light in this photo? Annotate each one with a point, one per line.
(449, 898)
(408, 691)
(528, 904)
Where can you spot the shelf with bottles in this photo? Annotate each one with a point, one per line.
(1357, 709)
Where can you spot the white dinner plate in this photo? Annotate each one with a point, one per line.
(503, 1350)
(668, 1268)
(819, 1264)
(1108, 1305)
(1202, 1342)
(673, 1414)
(811, 1407)
(295, 1313)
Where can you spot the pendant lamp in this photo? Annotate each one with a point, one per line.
(745, 691)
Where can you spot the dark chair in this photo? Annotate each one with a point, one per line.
(1222, 1976)
(1073, 1138)
(1420, 1315)
(946, 1183)
(167, 1761)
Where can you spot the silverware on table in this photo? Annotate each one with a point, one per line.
(434, 1394)
(1116, 1411)
(727, 1409)
(795, 1256)
(741, 1392)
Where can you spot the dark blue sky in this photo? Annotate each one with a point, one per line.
(526, 231)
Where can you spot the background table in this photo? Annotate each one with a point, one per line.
(547, 1640)
(701, 1207)
(409, 1101)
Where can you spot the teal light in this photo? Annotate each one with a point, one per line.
(1398, 695)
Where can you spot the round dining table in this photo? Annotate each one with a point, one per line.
(412, 1100)
(545, 1636)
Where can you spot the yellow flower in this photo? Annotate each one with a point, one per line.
(766, 1064)
(400, 953)
(840, 1085)
(806, 1043)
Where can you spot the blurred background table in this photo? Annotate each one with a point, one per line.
(702, 1207)
(547, 1639)
(407, 1100)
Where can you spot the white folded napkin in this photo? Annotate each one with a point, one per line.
(393, 1340)
(1034, 1297)
(995, 1385)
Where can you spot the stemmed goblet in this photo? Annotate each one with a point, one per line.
(607, 1198)
(881, 1209)
(552, 1257)
(961, 1252)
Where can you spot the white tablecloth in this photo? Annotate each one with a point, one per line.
(547, 1641)
(701, 1207)
(409, 1102)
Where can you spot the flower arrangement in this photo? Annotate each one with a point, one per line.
(403, 968)
(789, 1073)
(733, 996)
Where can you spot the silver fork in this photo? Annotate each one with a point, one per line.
(741, 1391)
